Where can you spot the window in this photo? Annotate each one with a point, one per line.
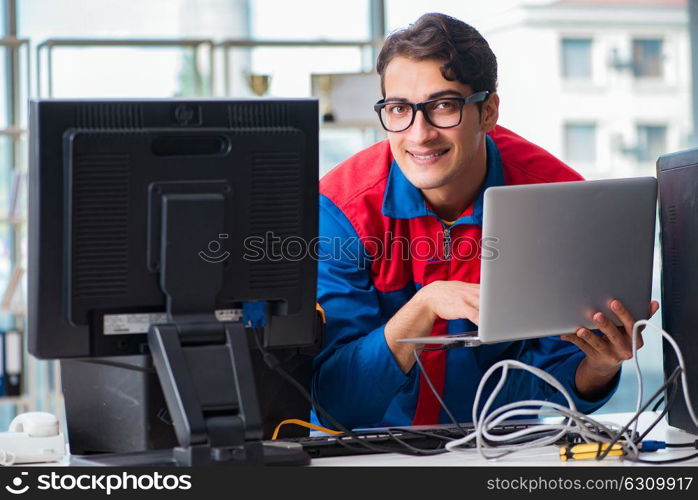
(576, 58)
(312, 19)
(4, 96)
(647, 58)
(3, 26)
(580, 142)
(162, 71)
(131, 71)
(651, 142)
(41, 19)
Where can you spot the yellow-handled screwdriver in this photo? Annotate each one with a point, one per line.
(589, 451)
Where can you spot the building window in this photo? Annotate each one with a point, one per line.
(576, 58)
(580, 143)
(651, 142)
(647, 58)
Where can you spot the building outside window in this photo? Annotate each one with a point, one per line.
(647, 58)
(576, 58)
(580, 143)
(651, 142)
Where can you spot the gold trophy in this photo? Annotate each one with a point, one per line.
(259, 84)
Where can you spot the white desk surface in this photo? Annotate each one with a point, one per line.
(546, 456)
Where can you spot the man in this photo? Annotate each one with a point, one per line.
(426, 184)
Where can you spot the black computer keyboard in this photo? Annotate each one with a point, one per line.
(422, 437)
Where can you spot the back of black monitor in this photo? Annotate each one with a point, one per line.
(99, 171)
(677, 174)
(124, 200)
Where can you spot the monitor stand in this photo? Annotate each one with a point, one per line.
(214, 425)
(204, 365)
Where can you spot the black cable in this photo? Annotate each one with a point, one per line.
(416, 353)
(273, 363)
(694, 444)
(668, 461)
(670, 401)
(422, 433)
(656, 407)
(671, 445)
(671, 387)
(674, 389)
(620, 433)
(415, 450)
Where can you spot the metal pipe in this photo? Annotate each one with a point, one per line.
(377, 26)
(693, 37)
(49, 70)
(244, 43)
(12, 42)
(211, 70)
(226, 70)
(115, 42)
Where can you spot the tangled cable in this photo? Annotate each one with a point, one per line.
(492, 446)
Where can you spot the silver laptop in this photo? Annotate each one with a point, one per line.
(557, 254)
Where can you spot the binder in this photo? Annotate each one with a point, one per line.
(13, 363)
(2, 363)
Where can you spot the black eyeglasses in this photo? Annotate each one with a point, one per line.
(444, 112)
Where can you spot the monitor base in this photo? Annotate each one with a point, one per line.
(275, 454)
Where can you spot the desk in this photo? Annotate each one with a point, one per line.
(546, 456)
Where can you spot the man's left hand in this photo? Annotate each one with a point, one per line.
(607, 352)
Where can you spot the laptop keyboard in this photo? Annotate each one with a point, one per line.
(425, 438)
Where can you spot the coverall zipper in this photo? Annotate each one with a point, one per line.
(447, 242)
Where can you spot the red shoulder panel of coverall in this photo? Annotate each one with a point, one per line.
(357, 187)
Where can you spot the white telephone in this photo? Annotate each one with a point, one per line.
(32, 437)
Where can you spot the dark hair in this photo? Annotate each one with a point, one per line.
(466, 54)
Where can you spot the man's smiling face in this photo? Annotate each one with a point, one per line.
(431, 157)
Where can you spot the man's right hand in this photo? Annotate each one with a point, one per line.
(454, 300)
(440, 299)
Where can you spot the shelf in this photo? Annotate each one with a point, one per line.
(16, 221)
(13, 131)
(349, 124)
(14, 400)
(14, 312)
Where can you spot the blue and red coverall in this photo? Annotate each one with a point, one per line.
(366, 206)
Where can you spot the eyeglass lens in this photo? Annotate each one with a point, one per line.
(397, 116)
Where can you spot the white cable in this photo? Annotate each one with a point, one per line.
(481, 426)
(638, 375)
(679, 356)
(494, 419)
(508, 415)
(573, 420)
(508, 411)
